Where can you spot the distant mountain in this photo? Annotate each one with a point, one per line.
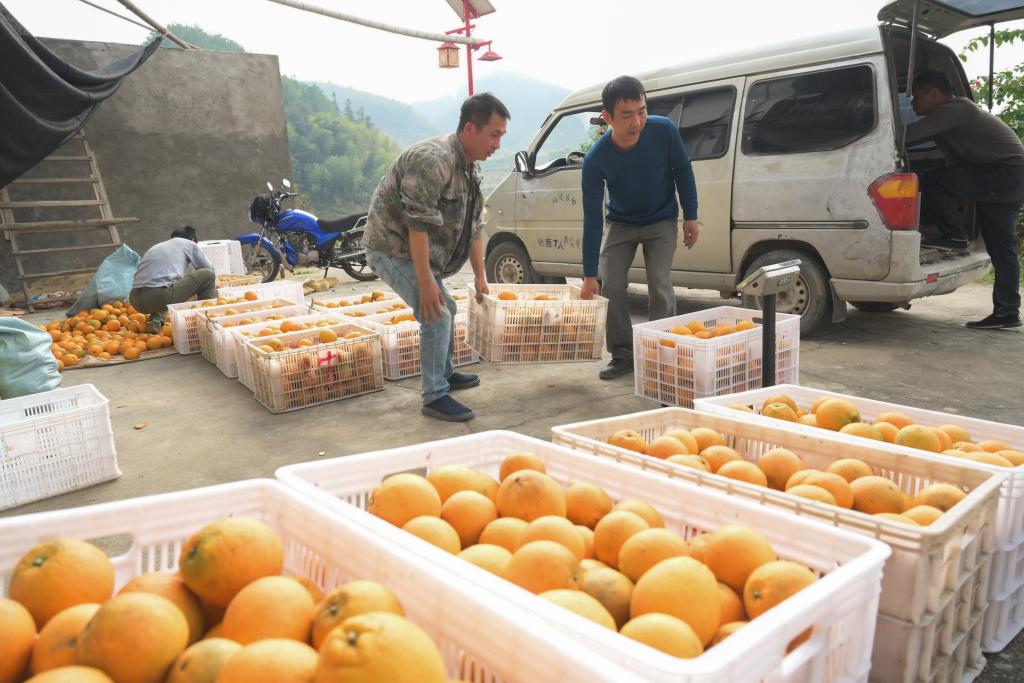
(398, 119)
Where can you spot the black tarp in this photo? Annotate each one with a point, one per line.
(43, 99)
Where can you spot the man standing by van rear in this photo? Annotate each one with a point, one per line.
(643, 163)
(987, 167)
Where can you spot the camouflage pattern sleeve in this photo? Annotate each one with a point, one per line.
(426, 175)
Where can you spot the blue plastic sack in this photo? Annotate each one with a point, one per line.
(112, 281)
(27, 365)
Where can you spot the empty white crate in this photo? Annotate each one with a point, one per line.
(54, 442)
(475, 635)
(674, 369)
(224, 255)
(841, 607)
(288, 290)
(215, 335)
(243, 360)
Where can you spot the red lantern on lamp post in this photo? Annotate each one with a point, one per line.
(467, 10)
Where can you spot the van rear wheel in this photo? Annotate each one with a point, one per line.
(810, 298)
(509, 264)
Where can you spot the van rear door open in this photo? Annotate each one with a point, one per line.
(942, 18)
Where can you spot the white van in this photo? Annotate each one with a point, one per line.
(797, 154)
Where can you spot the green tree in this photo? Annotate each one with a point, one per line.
(198, 37)
(1007, 86)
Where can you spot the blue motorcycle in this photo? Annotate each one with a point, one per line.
(303, 239)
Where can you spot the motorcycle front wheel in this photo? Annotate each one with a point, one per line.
(358, 269)
(267, 263)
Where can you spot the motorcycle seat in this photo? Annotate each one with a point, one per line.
(343, 224)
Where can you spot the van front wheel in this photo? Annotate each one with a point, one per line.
(810, 298)
(509, 264)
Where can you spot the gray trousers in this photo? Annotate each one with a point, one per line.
(153, 300)
(617, 252)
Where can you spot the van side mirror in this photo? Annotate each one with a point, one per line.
(522, 162)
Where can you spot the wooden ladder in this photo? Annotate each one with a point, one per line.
(43, 181)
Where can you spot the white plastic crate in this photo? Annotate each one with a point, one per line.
(374, 307)
(288, 290)
(184, 318)
(307, 376)
(238, 280)
(400, 343)
(1009, 527)
(213, 335)
(54, 442)
(841, 607)
(565, 328)
(476, 636)
(243, 361)
(927, 565)
(674, 369)
(1004, 619)
(337, 302)
(225, 255)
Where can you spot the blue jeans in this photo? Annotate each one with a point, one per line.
(437, 339)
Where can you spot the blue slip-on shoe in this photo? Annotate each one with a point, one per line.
(448, 409)
(462, 380)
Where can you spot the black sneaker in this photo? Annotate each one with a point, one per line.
(448, 409)
(945, 244)
(462, 380)
(996, 322)
(617, 368)
(156, 323)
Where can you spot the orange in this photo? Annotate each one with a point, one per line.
(733, 551)
(492, 558)
(706, 437)
(682, 588)
(613, 531)
(435, 531)
(610, 588)
(697, 545)
(896, 419)
(469, 513)
(665, 446)
(836, 413)
(781, 398)
(779, 411)
(695, 326)
(271, 607)
(741, 406)
(588, 540)
(967, 446)
(944, 441)
(726, 630)
(916, 436)
(666, 633)
(505, 532)
(586, 503)
(896, 518)
(250, 296)
(402, 497)
(778, 465)
(451, 479)
(863, 430)
(520, 461)
(628, 439)
(695, 462)
(812, 493)
(55, 646)
(834, 484)
(172, 587)
(989, 458)
(271, 660)
(647, 548)
(923, 514)
(60, 574)
(327, 336)
(850, 469)
(1016, 458)
(507, 296)
(732, 605)
(941, 496)
(591, 564)
(772, 583)
(687, 439)
(379, 647)
(876, 494)
(582, 604)
(528, 494)
(310, 586)
(741, 470)
(645, 510)
(681, 330)
(72, 674)
(227, 555)
(717, 456)
(811, 420)
(993, 445)
(956, 433)
(542, 566)
(201, 662)
(557, 529)
(349, 600)
(134, 638)
(18, 636)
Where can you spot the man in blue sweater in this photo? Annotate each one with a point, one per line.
(643, 163)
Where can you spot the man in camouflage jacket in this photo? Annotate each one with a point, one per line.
(424, 224)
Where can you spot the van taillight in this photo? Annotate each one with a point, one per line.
(895, 197)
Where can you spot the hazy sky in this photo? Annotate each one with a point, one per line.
(573, 43)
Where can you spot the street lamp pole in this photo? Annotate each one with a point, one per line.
(466, 9)
(470, 10)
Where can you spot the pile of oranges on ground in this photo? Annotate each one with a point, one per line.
(697, 330)
(847, 482)
(839, 415)
(114, 329)
(227, 616)
(364, 299)
(612, 563)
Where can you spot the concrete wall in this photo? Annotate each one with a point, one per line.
(190, 138)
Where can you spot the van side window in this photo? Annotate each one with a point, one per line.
(811, 112)
(572, 133)
(706, 120)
